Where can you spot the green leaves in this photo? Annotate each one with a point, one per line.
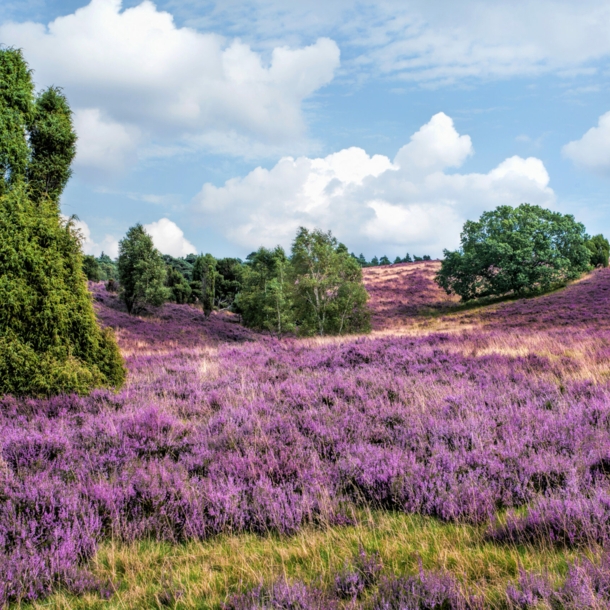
(49, 338)
(515, 251)
(318, 290)
(599, 249)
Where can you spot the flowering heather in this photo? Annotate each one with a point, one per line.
(221, 430)
(399, 292)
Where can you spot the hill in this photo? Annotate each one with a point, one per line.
(465, 452)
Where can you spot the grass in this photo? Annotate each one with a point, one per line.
(202, 575)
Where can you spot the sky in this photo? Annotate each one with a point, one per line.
(224, 126)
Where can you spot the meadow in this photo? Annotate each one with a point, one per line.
(454, 458)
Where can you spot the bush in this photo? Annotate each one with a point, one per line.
(515, 251)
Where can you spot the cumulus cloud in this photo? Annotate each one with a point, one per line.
(169, 238)
(109, 245)
(103, 145)
(592, 151)
(372, 203)
(136, 78)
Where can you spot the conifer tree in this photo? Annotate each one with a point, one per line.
(49, 338)
(141, 271)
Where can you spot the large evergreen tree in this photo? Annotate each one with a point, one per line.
(49, 338)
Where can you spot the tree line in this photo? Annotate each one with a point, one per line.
(384, 260)
(317, 288)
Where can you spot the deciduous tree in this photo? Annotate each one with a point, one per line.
(515, 251)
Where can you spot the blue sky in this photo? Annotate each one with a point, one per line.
(225, 126)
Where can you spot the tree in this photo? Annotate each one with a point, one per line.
(108, 268)
(204, 281)
(179, 289)
(91, 268)
(265, 300)
(515, 251)
(374, 261)
(407, 259)
(384, 260)
(599, 249)
(50, 341)
(329, 297)
(141, 271)
(229, 281)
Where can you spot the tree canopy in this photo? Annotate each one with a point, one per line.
(141, 271)
(515, 251)
(49, 338)
(599, 249)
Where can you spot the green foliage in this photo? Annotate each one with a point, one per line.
(49, 338)
(108, 267)
(180, 291)
(141, 271)
(229, 281)
(53, 146)
(515, 251)
(182, 265)
(599, 248)
(374, 261)
(407, 259)
(265, 300)
(384, 260)
(204, 278)
(91, 268)
(17, 110)
(329, 297)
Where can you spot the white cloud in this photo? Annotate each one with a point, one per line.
(372, 203)
(133, 74)
(103, 145)
(592, 151)
(440, 41)
(109, 245)
(435, 146)
(169, 238)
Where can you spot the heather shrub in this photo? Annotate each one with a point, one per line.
(427, 591)
(360, 576)
(49, 338)
(281, 596)
(580, 519)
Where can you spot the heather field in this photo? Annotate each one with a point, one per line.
(454, 458)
